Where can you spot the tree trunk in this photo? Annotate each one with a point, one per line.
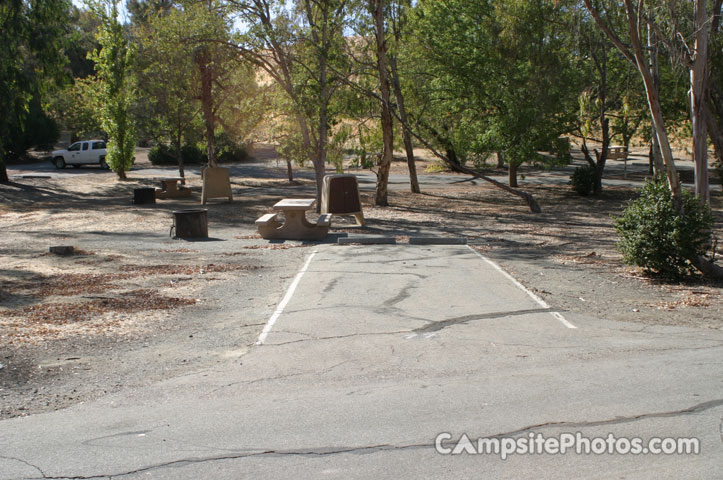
(656, 110)
(698, 80)
(179, 159)
(385, 163)
(207, 105)
(319, 168)
(512, 174)
(602, 157)
(656, 156)
(290, 171)
(319, 172)
(586, 152)
(637, 57)
(408, 147)
(3, 171)
(323, 139)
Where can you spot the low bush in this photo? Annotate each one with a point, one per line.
(654, 236)
(164, 155)
(583, 180)
(229, 151)
(192, 155)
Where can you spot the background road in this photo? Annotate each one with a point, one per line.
(637, 166)
(380, 349)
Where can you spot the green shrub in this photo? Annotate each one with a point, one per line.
(164, 155)
(654, 236)
(192, 155)
(583, 180)
(161, 155)
(228, 151)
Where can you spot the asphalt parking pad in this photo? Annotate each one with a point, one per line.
(407, 292)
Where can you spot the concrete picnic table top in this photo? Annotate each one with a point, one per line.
(294, 204)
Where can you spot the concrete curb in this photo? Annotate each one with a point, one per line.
(437, 241)
(367, 240)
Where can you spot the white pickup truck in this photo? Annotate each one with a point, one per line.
(86, 152)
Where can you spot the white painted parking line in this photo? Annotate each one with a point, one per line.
(280, 308)
(537, 299)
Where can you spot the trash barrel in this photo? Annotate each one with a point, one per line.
(191, 223)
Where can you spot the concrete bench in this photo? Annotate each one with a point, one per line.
(324, 220)
(267, 224)
(267, 219)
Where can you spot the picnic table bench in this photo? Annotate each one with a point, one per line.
(295, 225)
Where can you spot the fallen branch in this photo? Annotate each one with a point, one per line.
(528, 198)
(458, 167)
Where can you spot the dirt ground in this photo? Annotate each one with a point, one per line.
(132, 306)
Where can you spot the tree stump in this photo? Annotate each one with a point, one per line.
(192, 223)
(143, 196)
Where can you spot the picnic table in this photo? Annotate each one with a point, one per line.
(295, 225)
(619, 152)
(170, 188)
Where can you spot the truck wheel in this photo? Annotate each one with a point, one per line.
(104, 164)
(59, 162)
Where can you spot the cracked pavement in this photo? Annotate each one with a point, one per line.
(380, 349)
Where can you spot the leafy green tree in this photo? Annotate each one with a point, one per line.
(502, 75)
(191, 81)
(31, 35)
(77, 107)
(113, 65)
(167, 79)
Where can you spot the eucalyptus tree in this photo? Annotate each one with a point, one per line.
(684, 28)
(714, 105)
